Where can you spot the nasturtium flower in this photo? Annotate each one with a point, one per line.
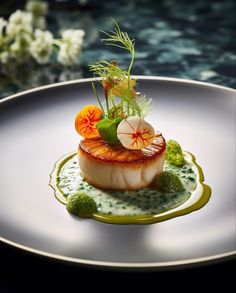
(86, 121)
(119, 87)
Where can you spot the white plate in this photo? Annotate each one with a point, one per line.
(37, 128)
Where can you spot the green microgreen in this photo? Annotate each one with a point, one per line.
(124, 101)
(104, 69)
(120, 39)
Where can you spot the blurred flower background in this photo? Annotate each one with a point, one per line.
(42, 42)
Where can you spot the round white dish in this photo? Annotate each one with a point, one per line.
(37, 127)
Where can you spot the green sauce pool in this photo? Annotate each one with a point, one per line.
(142, 206)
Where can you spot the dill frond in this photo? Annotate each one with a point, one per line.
(120, 39)
(130, 103)
(120, 96)
(145, 104)
(107, 69)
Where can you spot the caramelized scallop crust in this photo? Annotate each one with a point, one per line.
(100, 150)
(118, 168)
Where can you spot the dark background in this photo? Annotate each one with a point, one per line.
(23, 272)
(184, 39)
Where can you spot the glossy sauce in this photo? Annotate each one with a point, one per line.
(139, 207)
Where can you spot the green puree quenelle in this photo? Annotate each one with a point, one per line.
(144, 206)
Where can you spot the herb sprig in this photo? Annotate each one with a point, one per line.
(121, 40)
(106, 69)
(120, 97)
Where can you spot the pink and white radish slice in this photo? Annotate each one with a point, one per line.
(135, 133)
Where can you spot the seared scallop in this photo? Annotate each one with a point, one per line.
(118, 168)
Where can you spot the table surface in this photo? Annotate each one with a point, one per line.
(173, 38)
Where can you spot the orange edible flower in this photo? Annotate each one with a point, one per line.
(118, 89)
(107, 85)
(86, 121)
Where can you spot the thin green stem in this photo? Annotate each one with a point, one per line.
(5, 39)
(130, 67)
(107, 105)
(57, 42)
(96, 95)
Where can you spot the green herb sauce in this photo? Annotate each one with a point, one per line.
(143, 206)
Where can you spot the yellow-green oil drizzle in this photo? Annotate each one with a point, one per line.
(164, 215)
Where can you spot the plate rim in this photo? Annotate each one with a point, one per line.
(121, 265)
(141, 77)
(124, 265)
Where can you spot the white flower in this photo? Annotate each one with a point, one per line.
(71, 46)
(16, 50)
(37, 8)
(19, 22)
(4, 57)
(41, 47)
(39, 22)
(20, 48)
(3, 23)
